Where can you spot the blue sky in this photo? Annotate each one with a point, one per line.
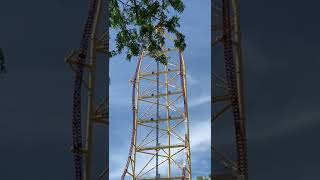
(195, 24)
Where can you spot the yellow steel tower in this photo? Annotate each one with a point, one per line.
(160, 147)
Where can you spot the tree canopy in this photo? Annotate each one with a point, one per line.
(140, 25)
(204, 177)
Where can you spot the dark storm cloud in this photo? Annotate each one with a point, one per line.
(35, 98)
(281, 70)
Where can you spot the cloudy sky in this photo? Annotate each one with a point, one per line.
(281, 44)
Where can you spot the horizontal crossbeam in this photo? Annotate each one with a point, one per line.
(163, 178)
(159, 120)
(160, 95)
(158, 73)
(220, 98)
(160, 147)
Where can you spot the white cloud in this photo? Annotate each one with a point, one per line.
(200, 139)
(191, 80)
(199, 101)
(196, 101)
(200, 135)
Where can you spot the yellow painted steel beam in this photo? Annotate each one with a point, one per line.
(163, 178)
(159, 120)
(220, 98)
(160, 147)
(161, 72)
(160, 95)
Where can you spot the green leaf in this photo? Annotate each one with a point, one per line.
(135, 22)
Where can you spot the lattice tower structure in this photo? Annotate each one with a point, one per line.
(160, 145)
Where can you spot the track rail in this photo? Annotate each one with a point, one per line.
(232, 87)
(76, 109)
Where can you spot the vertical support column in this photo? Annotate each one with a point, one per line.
(136, 116)
(238, 54)
(168, 120)
(91, 92)
(135, 96)
(239, 79)
(157, 128)
(184, 89)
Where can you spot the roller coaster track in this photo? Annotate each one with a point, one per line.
(232, 87)
(76, 114)
(226, 32)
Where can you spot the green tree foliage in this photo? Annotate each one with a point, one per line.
(2, 62)
(204, 177)
(136, 23)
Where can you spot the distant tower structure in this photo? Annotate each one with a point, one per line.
(227, 103)
(91, 67)
(160, 145)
